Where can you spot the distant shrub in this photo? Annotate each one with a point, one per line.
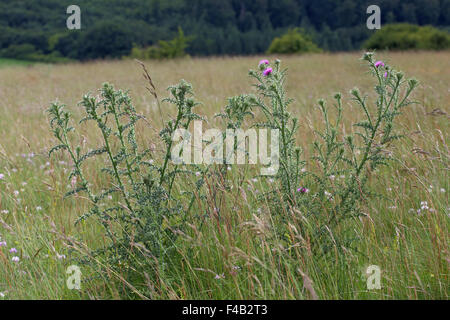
(408, 37)
(28, 52)
(18, 51)
(294, 41)
(170, 49)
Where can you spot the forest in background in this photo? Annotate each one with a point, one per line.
(110, 28)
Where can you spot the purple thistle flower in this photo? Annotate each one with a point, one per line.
(13, 250)
(303, 190)
(379, 63)
(264, 61)
(267, 71)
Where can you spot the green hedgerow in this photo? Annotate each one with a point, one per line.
(404, 36)
(293, 42)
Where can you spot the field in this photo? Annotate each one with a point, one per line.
(12, 62)
(236, 258)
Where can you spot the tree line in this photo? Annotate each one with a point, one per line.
(111, 28)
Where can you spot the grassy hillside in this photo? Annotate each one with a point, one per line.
(233, 258)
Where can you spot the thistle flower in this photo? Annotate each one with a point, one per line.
(379, 63)
(303, 190)
(264, 61)
(13, 250)
(267, 71)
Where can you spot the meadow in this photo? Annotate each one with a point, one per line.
(5, 62)
(234, 255)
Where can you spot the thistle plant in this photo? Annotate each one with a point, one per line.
(152, 199)
(325, 201)
(356, 155)
(144, 210)
(273, 103)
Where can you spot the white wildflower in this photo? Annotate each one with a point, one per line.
(218, 277)
(60, 256)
